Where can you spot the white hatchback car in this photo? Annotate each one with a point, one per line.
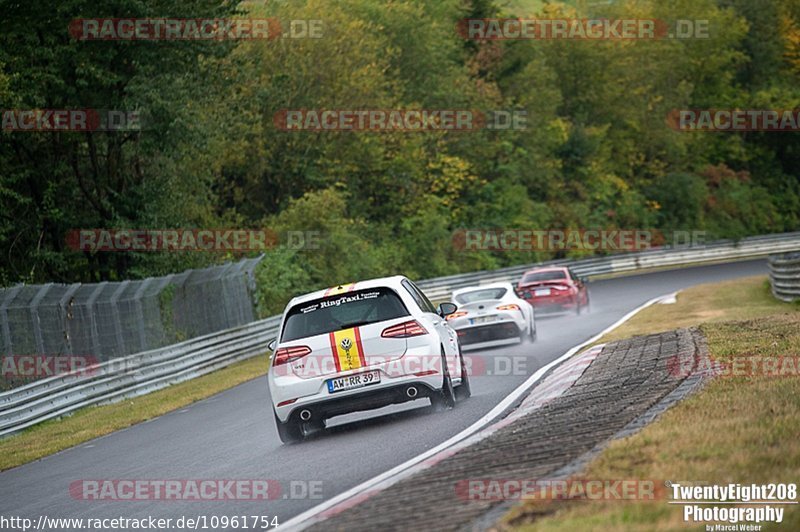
(362, 346)
(491, 315)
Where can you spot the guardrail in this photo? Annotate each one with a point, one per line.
(148, 371)
(784, 276)
(751, 247)
(130, 376)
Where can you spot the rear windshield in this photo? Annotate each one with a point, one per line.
(480, 295)
(342, 311)
(554, 275)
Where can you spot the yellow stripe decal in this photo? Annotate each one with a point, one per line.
(347, 350)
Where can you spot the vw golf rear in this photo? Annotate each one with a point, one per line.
(359, 347)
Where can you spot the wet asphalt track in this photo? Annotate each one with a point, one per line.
(232, 435)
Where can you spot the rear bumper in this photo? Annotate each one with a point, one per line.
(480, 334)
(420, 364)
(554, 304)
(364, 400)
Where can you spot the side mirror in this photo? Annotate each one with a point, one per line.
(445, 309)
(272, 344)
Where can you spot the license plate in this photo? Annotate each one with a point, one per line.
(482, 319)
(358, 380)
(541, 292)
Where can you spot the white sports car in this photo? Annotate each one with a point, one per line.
(491, 315)
(358, 347)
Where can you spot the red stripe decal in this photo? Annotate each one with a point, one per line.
(334, 352)
(360, 348)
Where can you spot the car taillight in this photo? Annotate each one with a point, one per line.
(455, 315)
(287, 354)
(508, 307)
(404, 330)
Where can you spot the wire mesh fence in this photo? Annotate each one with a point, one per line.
(103, 321)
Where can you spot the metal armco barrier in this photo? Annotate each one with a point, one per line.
(751, 247)
(148, 371)
(133, 375)
(784, 276)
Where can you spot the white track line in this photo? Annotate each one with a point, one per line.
(386, 479)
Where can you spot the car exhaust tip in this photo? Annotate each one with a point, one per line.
(305, 415)
(412, 391)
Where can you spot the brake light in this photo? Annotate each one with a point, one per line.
(287, 354)
(455, 315)
(404, 330)
(508, 307)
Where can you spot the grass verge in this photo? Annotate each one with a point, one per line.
(91, 422)
(736, 430)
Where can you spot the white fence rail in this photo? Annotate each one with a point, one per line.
(145, 372)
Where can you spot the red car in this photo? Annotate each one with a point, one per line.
(554, 289)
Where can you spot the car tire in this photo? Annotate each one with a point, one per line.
(463, 391)
(578, 306)
(444, 399)
(289, 432)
